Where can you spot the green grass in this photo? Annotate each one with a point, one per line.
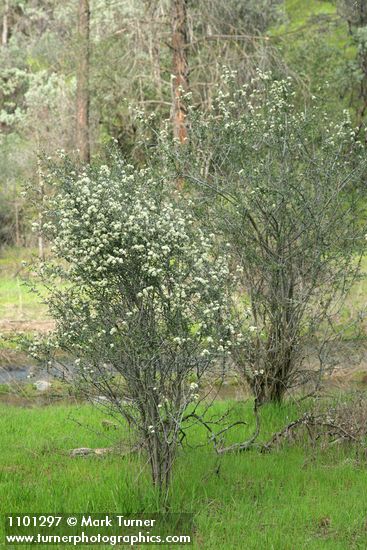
(300, 14)
(257, 501)
(299, 11)
(17, 302)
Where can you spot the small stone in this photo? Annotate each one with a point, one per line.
(42, 385)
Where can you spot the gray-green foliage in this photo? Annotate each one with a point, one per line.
(144, 304)
(284, 185)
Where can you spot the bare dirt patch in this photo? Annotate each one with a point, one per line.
(8, 326)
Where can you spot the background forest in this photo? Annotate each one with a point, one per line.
(135, 54)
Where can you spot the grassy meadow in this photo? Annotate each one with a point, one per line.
(291, 498)
(17, 303)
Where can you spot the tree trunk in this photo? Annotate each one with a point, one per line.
(180, 71)
(161, 460)
(5, 30)
(274, 382)
(82, 94)
(269, 392)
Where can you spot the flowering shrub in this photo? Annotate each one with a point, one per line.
(282, 182)
(144, 304)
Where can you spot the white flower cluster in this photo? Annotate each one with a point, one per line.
(128, 250)
(264, 113)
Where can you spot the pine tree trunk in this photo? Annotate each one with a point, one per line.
(180, 71)
(82, 100)
(5, 29)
